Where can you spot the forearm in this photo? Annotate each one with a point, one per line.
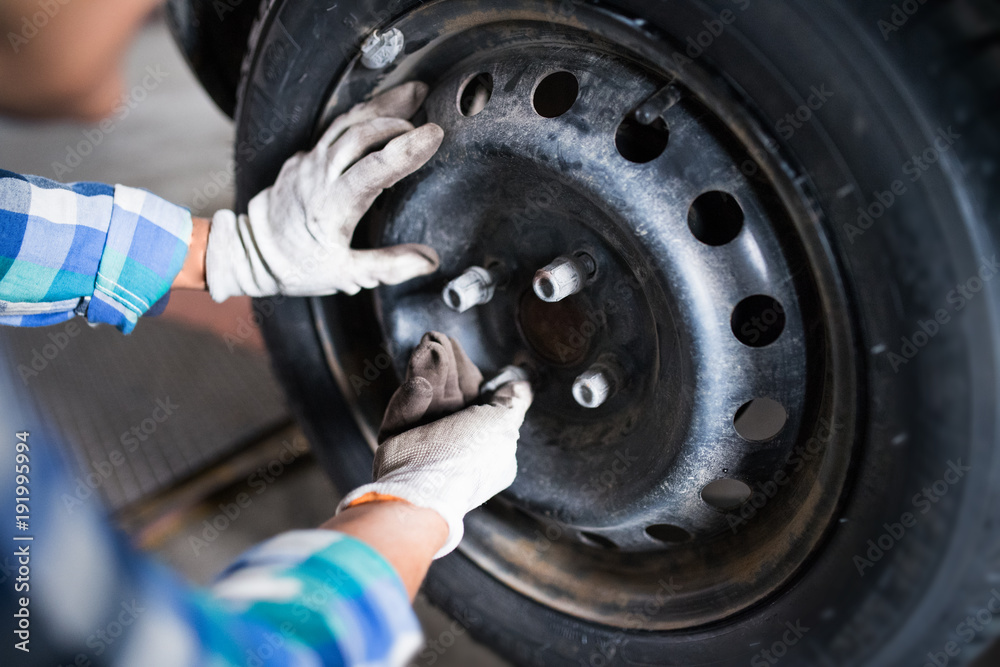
(404, 535)
(192, 274)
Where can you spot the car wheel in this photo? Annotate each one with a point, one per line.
(780, 220)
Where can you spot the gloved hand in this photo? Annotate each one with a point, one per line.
(296, 237)
(461, 460)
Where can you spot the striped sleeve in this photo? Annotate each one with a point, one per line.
(313, 597)
(86, 248)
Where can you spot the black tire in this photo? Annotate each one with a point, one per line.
(895, 89)
(213, 37)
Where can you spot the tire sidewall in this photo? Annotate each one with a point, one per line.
(932, 412)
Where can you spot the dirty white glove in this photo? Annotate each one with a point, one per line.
(454, 461)
(296, 237)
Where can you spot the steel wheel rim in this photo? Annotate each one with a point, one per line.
(553, 556)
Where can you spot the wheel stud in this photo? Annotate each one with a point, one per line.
(507, 374)
(473, 288)
(597, 384)
(564, 277)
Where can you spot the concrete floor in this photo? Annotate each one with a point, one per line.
(177, 144)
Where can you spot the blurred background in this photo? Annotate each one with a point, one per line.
(227, 429)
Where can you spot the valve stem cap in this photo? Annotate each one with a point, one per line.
(561, 279)
(474, 287)
(380, 50)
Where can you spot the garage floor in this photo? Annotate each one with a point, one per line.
(206, 359)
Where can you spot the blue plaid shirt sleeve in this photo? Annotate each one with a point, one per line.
(309, 597)
(108, 252)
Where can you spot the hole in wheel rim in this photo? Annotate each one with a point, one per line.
(715, 218)
(595, 540)
(556, 94)
(760, 419)
(668, 533)
(641, 143)
(726, 494)
(758, 320)
(476, 94)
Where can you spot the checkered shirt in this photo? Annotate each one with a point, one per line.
(109, 253)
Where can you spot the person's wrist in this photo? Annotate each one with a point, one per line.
(407, 505)
(192, 274)
(403, 511)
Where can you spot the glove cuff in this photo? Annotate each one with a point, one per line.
(233, 262)
(456, 528)
(219, 269)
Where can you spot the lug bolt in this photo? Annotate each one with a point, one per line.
(473, 288)
(597, 384)
(563, 278)
(381, 49)
(507, 374)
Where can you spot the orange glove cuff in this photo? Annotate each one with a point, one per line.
(374, 497)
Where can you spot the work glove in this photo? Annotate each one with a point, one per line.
(296, 237)
(437, 453)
